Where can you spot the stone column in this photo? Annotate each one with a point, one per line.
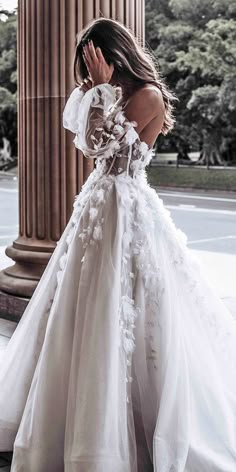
(51, 170)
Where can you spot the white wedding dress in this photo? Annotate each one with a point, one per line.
(125, 355)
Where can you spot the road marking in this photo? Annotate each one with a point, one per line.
(6, 236)
(201, 210)
(198, 197)
(206, 240)
(10, 190)
(182, 205)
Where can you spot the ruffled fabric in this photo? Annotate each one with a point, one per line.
(104, 132)
(71, 116)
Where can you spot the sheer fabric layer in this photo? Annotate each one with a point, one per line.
(159, 327)
(103, 131)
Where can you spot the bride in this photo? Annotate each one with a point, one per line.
(125, 357)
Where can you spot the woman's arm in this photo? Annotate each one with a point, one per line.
(86, 112)
(99, 130)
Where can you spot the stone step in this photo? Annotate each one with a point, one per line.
(12, 307)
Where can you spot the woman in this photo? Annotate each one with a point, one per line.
(125, 357)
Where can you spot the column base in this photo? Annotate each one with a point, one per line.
(21, 279)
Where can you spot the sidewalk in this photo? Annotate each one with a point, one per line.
(5, 261)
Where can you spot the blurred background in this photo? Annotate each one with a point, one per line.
(194, 169)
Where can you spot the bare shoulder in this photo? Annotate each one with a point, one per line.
(145, 105)
(150, 98)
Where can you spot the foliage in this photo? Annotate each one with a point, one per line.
(8, 79)
(194, 42)
(190, 177)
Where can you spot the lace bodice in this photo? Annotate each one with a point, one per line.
(102, 131)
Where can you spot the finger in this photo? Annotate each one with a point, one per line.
(86, 62)
(89, 54)
(100, 54)
(92, 51)
(112, 67)
(86, 54)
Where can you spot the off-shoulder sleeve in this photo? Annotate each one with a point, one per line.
(100, 130)
(71, 114)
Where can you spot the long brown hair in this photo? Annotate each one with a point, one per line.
(134, 65)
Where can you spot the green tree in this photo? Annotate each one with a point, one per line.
(194, 42)
(8, 79)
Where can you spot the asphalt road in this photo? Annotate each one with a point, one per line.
(8, 209)
(208, 219)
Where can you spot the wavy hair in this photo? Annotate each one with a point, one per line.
(134, 65)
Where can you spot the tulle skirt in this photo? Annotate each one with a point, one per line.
(125, 357)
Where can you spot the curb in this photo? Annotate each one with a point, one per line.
(195, 190)
(7, 173)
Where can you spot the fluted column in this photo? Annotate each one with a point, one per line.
(51, 170)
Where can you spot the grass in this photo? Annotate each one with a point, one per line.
(189, 177)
